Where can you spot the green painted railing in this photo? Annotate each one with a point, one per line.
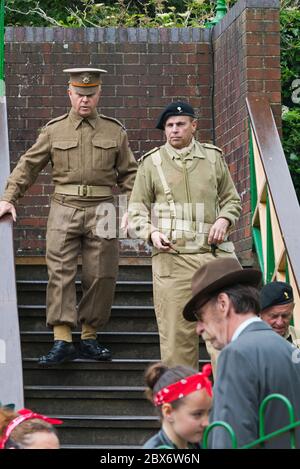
(263, 437)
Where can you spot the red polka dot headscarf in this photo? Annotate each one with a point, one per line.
(24, 414)
(184, 387)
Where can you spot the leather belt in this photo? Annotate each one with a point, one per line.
(83, 190)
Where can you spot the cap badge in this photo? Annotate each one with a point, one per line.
(286, 295)
(86, 79)
(179, 109)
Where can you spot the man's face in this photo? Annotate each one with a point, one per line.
(84, 105)
(278, 317)
(179, 130)
(212, 323)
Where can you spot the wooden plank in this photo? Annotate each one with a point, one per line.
(11, 376)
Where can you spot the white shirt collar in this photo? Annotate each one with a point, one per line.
(243, 326)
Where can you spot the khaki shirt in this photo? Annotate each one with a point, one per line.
(293, 336)
(206, 181)
(84, 151)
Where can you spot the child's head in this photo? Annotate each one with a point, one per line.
(27, 430)
(183, 398)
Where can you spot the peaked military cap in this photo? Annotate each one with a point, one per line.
(276, 293)
(85, 80)
(179, 108)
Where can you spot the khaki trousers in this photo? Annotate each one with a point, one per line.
(172, 276)
(70, 232)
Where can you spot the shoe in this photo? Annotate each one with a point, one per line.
(61, 352)
(90, 349)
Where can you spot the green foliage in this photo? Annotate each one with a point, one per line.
(121, 13)
(290, 70)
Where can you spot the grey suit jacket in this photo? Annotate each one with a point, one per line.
(259, 362)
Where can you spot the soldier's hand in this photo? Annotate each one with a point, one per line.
(160, 241)
(218, 231)
(7, 207)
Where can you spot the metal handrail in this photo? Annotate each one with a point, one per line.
(261, 431)
(227, 427)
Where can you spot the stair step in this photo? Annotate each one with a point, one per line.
(88, 373)
(107, 431)
(126, 272)
(92, 400)
(142, 345)
(123, 318)
(137, 292)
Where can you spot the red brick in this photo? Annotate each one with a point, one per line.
(131, 58)
(263, 74)
(179, 58)
(271, 85)
(272, 62)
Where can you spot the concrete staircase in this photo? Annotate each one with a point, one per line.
(102, 403)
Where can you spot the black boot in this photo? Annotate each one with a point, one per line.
(61, 352)
(90, 349)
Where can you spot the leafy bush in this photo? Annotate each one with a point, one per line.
(290, 70)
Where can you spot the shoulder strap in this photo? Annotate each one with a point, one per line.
(147, 154)
(56, 119)
(113, 120)
(212, 147)
(156, 159)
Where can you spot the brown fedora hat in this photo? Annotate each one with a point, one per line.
(214, 276)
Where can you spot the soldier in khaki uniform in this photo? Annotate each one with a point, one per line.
(90, 155)
(184, 203)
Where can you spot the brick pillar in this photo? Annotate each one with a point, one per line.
(246, 60)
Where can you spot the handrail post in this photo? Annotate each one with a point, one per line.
(262, 409)
(221, 10)
(226, 426)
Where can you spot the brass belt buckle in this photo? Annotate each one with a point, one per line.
(82, 191)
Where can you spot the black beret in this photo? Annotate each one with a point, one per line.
(276, 293)
(179, 108)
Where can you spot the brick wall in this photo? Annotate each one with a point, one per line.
(147, 68)
(246, 60)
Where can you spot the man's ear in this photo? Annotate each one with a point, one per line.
(223, 303)
(167, 412)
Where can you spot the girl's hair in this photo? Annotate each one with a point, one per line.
(158, 375)
(21, 436)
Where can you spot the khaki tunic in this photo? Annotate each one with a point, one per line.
(92, 151)
(207, 181)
